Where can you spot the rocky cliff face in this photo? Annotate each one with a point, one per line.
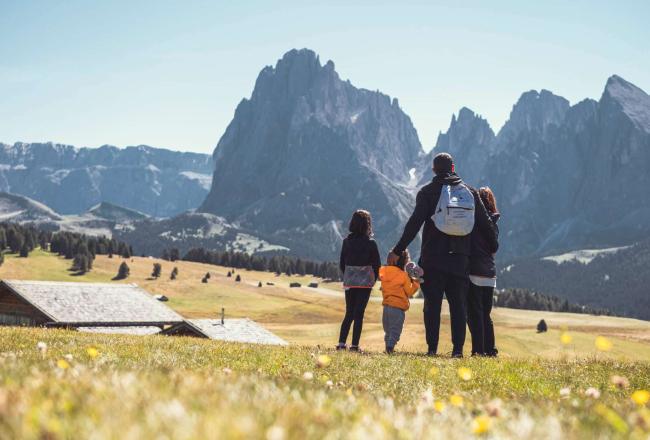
(154, 181)
(306, 150)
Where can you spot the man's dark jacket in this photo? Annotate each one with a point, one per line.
(440, 251)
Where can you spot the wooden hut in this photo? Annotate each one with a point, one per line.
(232, 330)
(98, 307)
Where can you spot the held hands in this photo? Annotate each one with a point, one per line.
(392, 258)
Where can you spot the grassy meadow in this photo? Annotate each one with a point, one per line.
(586, 378)
(306, 316)
(62, 384)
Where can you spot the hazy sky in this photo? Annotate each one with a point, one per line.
(170, 73)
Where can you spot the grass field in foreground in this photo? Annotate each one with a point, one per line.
(312, 316)
(63, 384)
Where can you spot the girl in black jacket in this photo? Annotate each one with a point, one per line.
(359, 263)
(483, 279)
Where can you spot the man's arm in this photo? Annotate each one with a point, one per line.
(420, 214)
(484, 224)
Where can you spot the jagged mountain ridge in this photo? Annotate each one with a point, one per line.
(556, 168)
(306, 150)
(154, 181)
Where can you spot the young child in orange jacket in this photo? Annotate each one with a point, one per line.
(396, 287)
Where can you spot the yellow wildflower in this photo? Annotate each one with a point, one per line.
(603, 344)
(62, 364)
(439, 405)
(456, 400)
(565, 338)
(92, 352)
(465, 373)
(323, 361)
(641, 397)
(481, 425)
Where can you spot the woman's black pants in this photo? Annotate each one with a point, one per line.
(479, 307)
(356, 301)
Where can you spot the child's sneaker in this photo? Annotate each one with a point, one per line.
(355, 348)
(341, 347)
(390, 350)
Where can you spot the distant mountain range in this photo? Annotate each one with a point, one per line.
(70, 180)
(307, 148)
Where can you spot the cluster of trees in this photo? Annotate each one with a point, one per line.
(529, 300)
(21, 239)
(277, 264)
(172, 254)
(81, 249)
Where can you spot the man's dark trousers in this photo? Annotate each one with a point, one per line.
(456, 288)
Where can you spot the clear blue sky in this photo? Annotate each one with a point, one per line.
(170, 73)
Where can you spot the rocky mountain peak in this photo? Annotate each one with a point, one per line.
(468, 140)
(621, 95)
(304, 141)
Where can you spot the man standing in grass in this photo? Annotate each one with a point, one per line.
(447, 211)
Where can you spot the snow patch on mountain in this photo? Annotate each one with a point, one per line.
(205, 180)
(584, 256)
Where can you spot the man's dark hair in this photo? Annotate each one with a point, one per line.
(361, 223)
(443, 163)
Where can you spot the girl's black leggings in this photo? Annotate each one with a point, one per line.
(356, 301)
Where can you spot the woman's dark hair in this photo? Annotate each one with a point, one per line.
(403, 259)
(361, 223)
(488, 199)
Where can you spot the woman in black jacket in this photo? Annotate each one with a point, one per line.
(359, 264)
(483, 281)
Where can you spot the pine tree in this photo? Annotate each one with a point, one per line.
(24, 251)
(157, 270)
(123, 272)
(80, 263)
(174, 273)
(259, 284)
(3, 239)
(165, 255)
(15, 240)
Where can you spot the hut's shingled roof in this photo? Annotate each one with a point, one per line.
(93, 302)
(236, 330)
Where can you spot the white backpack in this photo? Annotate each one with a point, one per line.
(454, 213)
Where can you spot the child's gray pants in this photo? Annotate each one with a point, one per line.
(393, 321)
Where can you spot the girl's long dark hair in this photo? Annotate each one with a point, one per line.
(361, 223)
